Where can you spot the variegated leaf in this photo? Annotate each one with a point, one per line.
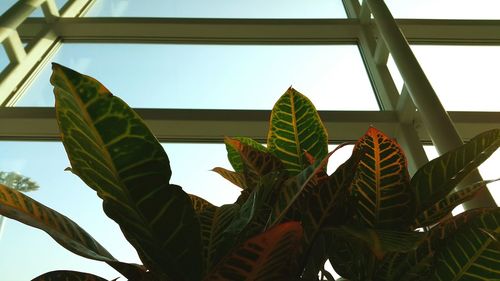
(266, 257)
(444, 206)
(292, 195)
(111, 150)
(67, 275)
(234, 177)
(256, 163)
(382, 198)
(436, 179)
(233, 155)
(381, 241)
(295, 127)
(214, 221)
(200, 204)
(351, 259)
(419, 263)
(326, 204)
(473, 252)
(17, 206)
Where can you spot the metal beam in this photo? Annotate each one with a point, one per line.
(189, 125)
(258, 31)
(203, 125)
(25, 64)
(436, 120)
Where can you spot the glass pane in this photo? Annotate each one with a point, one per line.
(5, 5)
(219, 9)
(488, 170)
(4, 59)
(217, 76)
(38, 13)
(396, 76)
(445, 9)
(464, 77)
(32, 252)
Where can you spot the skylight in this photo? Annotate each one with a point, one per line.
(445, 9)
(217, 76)
(219, 9)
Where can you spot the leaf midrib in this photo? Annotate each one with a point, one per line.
(106, 155)
(294, 125)
(471, 261)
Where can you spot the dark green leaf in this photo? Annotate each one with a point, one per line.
(233, 155)
(111, 150)
(214, 221)
(381, 241)
(68, 275)
(443, 207)
(292, 194)
(265, 257)
(436, 179)
(473, 252)
(419, 263)
(256, 163)
(326, 204)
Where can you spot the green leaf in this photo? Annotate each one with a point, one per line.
(380, 186)
(443, 207)
(111, 150)
(292, 194)
(214, 221)
(295, 127)
(234, 177)
(233, 154)
(68, 275)
(419, 263)
(326, 203)
(438, 177)
(256, 163)
(267, 257)
(473, 252)
(200, 204)
(351, 259)
(17, 206)
(381, 241)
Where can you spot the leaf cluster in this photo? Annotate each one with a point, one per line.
(368, 218)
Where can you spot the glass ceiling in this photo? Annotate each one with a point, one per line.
(6, 4)
(445, 9)
(219, 9)
(464, 77)
(216, 76)
(422, 9)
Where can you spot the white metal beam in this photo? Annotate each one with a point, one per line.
(189, 125)
(24, 65)
(436, 120)
(259, 31)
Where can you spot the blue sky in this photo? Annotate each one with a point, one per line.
(243, 77)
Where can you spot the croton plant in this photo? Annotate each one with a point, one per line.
(368, 218)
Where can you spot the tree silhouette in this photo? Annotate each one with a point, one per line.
(17, 181)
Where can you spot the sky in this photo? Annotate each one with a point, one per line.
(244, 77)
